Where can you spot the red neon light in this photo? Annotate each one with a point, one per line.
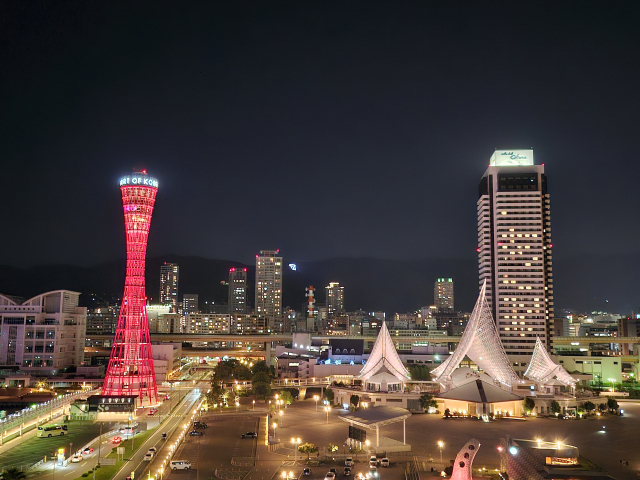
(130, 370)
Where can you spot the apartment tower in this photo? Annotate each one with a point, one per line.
(515, 251)
(269, 286)
(443, 295)
(169, 273)
(237, 290)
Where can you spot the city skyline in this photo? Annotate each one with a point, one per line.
(337, 118)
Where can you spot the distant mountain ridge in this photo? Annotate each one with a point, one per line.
(583, 283)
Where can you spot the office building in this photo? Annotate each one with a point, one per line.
(102, 321)
(44, 334)
(205, 323)
(514, 251)
(169, 275)
(335, 299)
(237, 290)
(190, 303)
(269, 286)
(443, 294)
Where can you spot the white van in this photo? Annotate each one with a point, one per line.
(180, 464)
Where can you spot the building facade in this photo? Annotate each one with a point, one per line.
(335, 299)
(515, 251)
(43, 334)
(205, 323)
(169, 276)
(268, 302)
(237, 290)
(443, 295)
(190, 303)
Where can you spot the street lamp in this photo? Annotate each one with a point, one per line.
(281, 413)
(316, 398)
(254, 404)
(327, 409)
(441, 446)
(296, 442)
(367, 443)
(274, 430)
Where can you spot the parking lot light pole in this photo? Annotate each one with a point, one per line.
(327, 409)
(296, 442)
(316, 398)
(441, 446)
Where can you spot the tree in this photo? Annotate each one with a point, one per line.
(13, 474)
(529, 404)
(555, 407)
(215, 393)
(260, 366)
(261, 389)
(355, 401)
(328, 394)
(612, 404)
(332, 447)
(307, 448)
(589, 407)
(419, 372)
(425, 401)
(286, 396)
(602, 407)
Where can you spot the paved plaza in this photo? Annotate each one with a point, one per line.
(222, 443)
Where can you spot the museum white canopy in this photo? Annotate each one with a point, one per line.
(384, 357)
(481, 343)
(542, 369)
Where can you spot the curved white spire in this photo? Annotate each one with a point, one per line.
(384, 355)
(481, 342)
(542, 369)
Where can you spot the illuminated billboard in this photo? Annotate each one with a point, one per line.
(508, 158)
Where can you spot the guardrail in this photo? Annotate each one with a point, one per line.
(43, 409)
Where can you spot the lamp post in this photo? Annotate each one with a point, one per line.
(274, 431)
(327, 409)
(366, 444)
(254, 404)
(316, 398)
(296, 442)
(281, 413)
(441, 446)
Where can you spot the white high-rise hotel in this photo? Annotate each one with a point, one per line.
(515, 251)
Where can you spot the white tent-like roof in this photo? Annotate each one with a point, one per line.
(478, 391)
(481, 342)
(384, 357)
(542, 369)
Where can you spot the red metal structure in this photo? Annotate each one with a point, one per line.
(130, 370)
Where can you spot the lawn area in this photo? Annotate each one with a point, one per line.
(106, 472)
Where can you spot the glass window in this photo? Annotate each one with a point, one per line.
(40, 334)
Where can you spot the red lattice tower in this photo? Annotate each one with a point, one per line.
(130, 370)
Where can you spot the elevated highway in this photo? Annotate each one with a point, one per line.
(278, 338)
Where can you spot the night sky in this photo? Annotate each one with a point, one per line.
(325, 129)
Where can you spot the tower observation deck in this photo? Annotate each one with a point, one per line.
(130, 370)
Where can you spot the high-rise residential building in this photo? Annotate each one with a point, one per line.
(190, 303)
(237, 290)
(515, 251)
(335, 299)
(443, 294)
(269, 285)
(169, 273)
(44, 334)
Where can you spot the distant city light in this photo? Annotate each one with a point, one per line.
(293, 266)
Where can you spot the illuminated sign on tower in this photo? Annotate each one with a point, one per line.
(130, 370)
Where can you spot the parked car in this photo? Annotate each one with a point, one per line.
(373, 461)
(76, 458)
(330, 476)
(347, 471)
(196, 433)
(249, 435)
(148, 457)
(306, 472)
(153, 450)
(87, 451)
(333, 470)
(348, 462)
(384, 462)
(199, 424)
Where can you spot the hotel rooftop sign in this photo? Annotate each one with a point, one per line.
(508, 158)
